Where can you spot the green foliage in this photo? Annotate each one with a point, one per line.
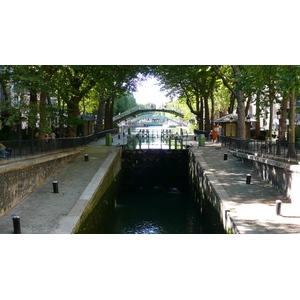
(123, 103)
(70, 90)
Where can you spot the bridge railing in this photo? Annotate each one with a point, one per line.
(143, 107)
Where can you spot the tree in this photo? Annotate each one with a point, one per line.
(234, 84)
(116, 82)
(195, 84)
(124, 102)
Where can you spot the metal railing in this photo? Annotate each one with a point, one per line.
(149, 107)
(273, 149)
(26, 148)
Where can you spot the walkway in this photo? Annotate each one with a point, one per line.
(252, 206)
(43, 210)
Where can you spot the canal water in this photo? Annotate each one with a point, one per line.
(152, 194)
(155, 209)
(152, 197)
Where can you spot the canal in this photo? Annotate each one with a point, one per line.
(152, 195)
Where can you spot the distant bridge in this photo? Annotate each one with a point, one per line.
(146, 108)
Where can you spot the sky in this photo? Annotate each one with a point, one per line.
(149, 91)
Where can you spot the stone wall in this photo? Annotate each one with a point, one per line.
(283, 176)
(17, 181)
(92, 196)
(208, 190)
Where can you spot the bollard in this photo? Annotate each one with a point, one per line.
(55, 186)
(225, 156)
(108, 139)
(16, 223)
(248, 179)
(278, 207)
(201, 140)
(86, 157)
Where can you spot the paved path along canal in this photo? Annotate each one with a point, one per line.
(42, 211)
(252, 206)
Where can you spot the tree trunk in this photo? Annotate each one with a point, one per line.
(200, 115)
(271, 117)
(73, 113)
(33, 113)
(61, 109)
(291, 136)
(106, 115)
(231, 104)
(282, 121)
(241, 128)
(100, 114)
(258, 112)
(111, 113)
(212, 98)
(247, 107)
(43, 116)
(207, 119)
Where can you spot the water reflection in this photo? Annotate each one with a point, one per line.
(155, 211)
(144, 227)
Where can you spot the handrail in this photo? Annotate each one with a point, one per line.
(281, 150)
(27, 148)
(147, 107)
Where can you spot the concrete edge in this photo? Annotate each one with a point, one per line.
(16, 165)
(221, 195)
(71, 221)
(266, 160)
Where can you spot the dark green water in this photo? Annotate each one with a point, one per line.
(155, 210)
(152, 196)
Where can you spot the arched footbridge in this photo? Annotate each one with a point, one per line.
(146, 108)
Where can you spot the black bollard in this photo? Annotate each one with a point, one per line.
(225, 156)
(248, 179)
(16, 223)
(86, 157)
(55, 186)
(278, 207)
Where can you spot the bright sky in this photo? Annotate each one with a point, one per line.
(149, 91)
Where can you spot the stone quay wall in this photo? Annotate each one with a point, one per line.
(207, 189)
(283, 176)
(93, 194)
(18, 180)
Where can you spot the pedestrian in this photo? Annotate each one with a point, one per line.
(53, 135)
(3, 149)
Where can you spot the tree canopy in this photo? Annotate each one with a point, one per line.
(43, 95)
